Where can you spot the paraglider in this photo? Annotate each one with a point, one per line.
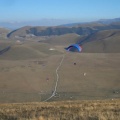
(74, 48)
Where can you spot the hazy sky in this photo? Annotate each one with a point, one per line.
(82, 10)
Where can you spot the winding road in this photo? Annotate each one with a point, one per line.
(57, 79)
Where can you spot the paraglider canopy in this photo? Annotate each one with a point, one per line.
(74, 48)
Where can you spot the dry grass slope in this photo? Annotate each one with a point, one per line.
(106, 41)
(69, 110)
(65, 39)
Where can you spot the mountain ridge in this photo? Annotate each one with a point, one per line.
(51, 22)
(84, 29)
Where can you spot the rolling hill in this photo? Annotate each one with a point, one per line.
(82, 29)
(106, 41)
(64, 40)
(3, 33)
(35, 53)
(4, 30)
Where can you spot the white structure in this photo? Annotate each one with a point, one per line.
(51, 49)
(84, 74)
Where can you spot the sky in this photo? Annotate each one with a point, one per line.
(76, 10)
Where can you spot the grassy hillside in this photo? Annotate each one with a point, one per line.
(66, 39)
(26, 79)
(25, 68)
(27, 50)
(4, 30)
(100, 81)
(4, 44)
(3, 33)
(65, 110)
(107, 41)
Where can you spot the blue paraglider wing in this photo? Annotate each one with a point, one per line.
(74, 46)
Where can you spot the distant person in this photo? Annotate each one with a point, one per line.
(74, 63)
(47, 79)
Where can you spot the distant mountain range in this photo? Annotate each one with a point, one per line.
(108, 21)
(52, 22)
(101, 21)
(42, 22)
(80, 29)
